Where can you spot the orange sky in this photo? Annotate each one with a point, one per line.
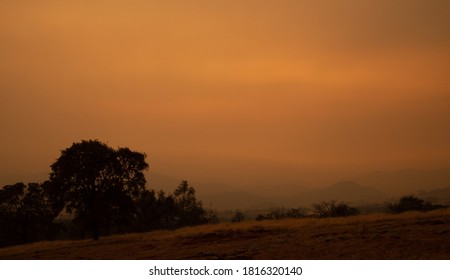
(228, 90)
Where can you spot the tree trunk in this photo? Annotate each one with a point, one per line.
(24, 232)
(95, 229)
(96, 234)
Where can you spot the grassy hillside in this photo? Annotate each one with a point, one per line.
(410, 235)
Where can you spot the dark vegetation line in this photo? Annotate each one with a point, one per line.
(96, 190)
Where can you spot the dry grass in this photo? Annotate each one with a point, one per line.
(411, 235)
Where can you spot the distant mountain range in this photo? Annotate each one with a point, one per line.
(408, 181)
(375, 187)
(437, 196)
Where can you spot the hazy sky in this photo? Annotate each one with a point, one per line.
(240, 92)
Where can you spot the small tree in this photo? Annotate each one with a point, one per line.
(190, 211)
(238, 217)
(333, 209)
(298, 212)
(282, 213)
(167, 211)
(211, 217)
(147, 213)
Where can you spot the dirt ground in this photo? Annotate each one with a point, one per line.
(406, 236)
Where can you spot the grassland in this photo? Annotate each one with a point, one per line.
(411, 235)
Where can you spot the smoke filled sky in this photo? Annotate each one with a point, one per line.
(239, 92)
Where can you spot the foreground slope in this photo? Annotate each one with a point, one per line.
(410, 235)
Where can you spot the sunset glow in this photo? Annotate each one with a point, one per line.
(234, 92)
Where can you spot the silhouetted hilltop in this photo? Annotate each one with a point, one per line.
(369, 188)
(406, 181)
(438, 196)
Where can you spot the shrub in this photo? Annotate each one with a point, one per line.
(411, 203)
(282, 213)
(238, 217)
(333, 209)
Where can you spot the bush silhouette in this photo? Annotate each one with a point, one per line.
(238, 217)
(411, 203)
(333, 209)
(283, 213)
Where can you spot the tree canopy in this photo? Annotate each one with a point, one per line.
(334, 209)
(190, 211)
(26, 213)
(98, 184)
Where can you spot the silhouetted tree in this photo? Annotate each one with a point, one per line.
(298, 212)
(238, 217)
(274, 214)
(156, 211)
(261, 217)
(282, 213)
(211, 217)
(148, 215)
(26, 214)
(98, 184)
(168, 211)
(333, 209)
(190, 211)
